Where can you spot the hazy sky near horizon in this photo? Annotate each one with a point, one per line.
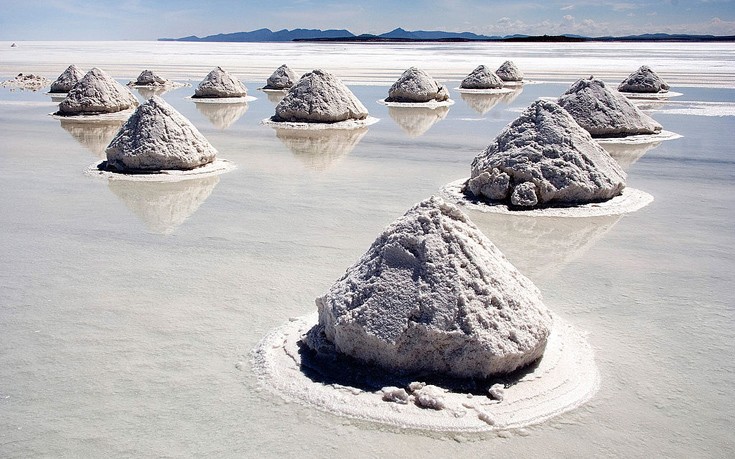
(152, 19)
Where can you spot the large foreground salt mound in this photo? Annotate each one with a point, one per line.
(219, 83)
(509, 72)
(643, 80)
(67, 79)
(433, 294)
(416, 86)
(97, 93)
(282, 78)
(149, 78)
(544, 158)
(157, 137)
(319, 97)
(482, 78)
(605, 113)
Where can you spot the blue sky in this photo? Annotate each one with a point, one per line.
(148, 20)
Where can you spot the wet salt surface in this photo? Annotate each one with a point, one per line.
(127, 314)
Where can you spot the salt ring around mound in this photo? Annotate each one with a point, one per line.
(222, 100)
(485, 91)
(171, 85)
(275, 91)
(122, 115)
(640, 138)
(630, 200)
(563, 379)
(650, 95)
(346, 124)
(216, 167)
(516, 84)
(429, 104)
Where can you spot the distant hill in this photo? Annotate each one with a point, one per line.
(267, 35)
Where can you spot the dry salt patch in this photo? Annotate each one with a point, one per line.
(115, 116)
(346, 124)
(503, 90)
(26, 82)
(640, 138)
(697, 108)
(429, 104)
(222, 100)
(218, 166)
(563, 379)
(630, 200)
(650, 96)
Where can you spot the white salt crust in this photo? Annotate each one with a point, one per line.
(221, 100)
(565, 378)
(168, 86)
(429, 104)
(346, 124)
(274, 91)
(218, 166)
(650, 95)
(639, 139)
(117, 116)
(486, 91)
(630, 200)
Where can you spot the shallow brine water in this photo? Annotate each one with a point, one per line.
(128, 310)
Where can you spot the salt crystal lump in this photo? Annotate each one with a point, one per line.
(67, 79)
(157, 137)
(604, 112)
(150, 78)
(509, 72)
(433, 294)
(219, 83)
(416, 86)
(482, 78)
(319, 97)
(643, 80)
(544, 158)
(97, 93)
(282, 78)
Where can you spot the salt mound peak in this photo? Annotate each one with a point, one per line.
(319, 97)
(415, 85)
(97, 93)
(482, 78)
(544, 158)
(282, 78)
(67, 79)
(219, 83)
(604, 112)
(509, 72)
(150, 78)
(433, 294)
(643, 80)
(157, 137)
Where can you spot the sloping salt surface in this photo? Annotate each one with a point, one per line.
(282, 78)
(565, 378)
(509, 72)
(157, 137)
(416, 86)
(97, 93)
(629, 200)
(604, 112)
(643, 80)
(433, 294)
(220, 83)
(67, 79)
(216, 167)
(481, 78)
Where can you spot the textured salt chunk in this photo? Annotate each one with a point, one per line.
(486, 417)
(319, 97)
(97, 93)
(67, 79)
(395, 394)
(509, 72)
(415, 85)
(282, 78)
(643, 80)
(546, 148)
(482, 78)
(149, 78)
(416, 385)
(27, 81)
(219, 83)
(157, 137)
(497, 392)
(430, 397)
(434, 294)
(604, 112)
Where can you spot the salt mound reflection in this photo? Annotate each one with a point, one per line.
(483, 103)
(94, 135)
(415, 121)
(320, 149)
(627, 154)
(223, 115)
(146, 92)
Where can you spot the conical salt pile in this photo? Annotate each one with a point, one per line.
(643, 80)
(282, 78)
(219, 83)
(149, 78)
(509, 72)
(605, 113)
(482, 78)
(433, 294)
(97, 93)
(416, 86)
(319, 97)
(157, 137)
(67, 79)
(545, 158)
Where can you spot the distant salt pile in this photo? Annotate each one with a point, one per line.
(67, 79)
(149, 78)
(643, 80)
(157, 137)
(319, 97)
(26, 81)
(219, 84)
(482, 78)
(96, 93)
(433, 294)
(416, 86)
(605, 113)
(282, 78)
(509, 72)
(544, 158)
